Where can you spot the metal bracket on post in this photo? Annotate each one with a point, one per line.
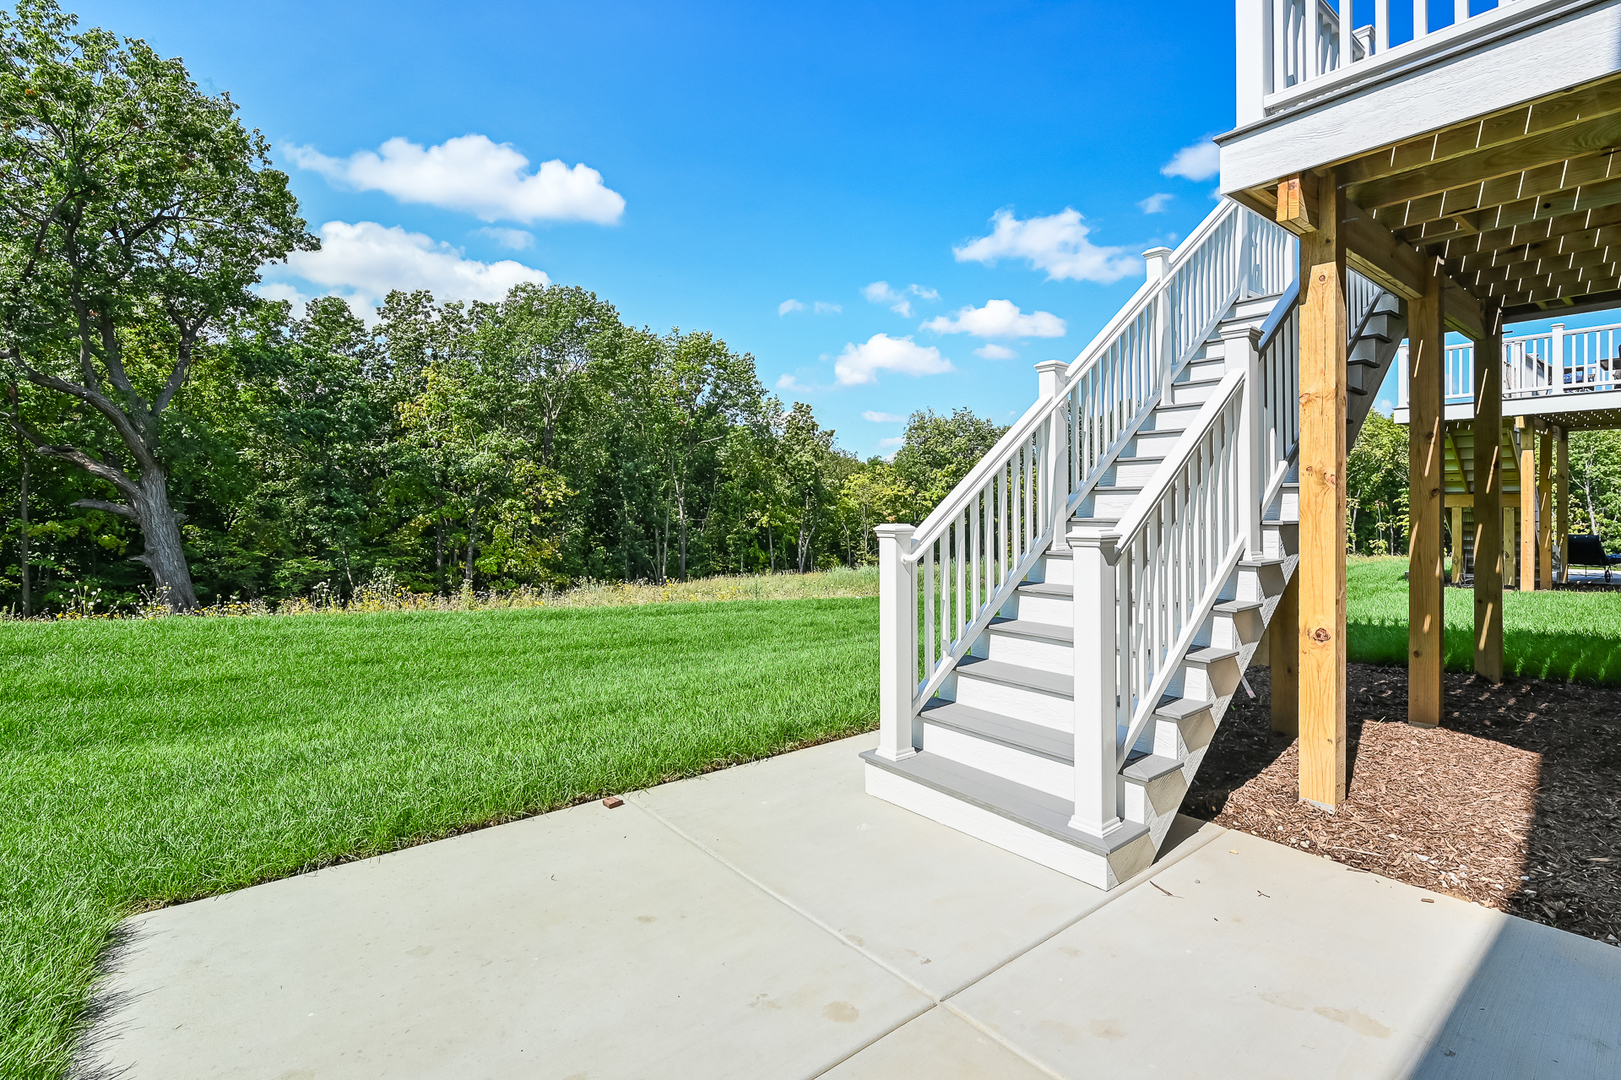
(1241, 346)
(1097, 777)
(897, 641)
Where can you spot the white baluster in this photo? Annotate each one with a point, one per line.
(1345, 33)
(1381, 26)
(1421, 18)
(1556, 358)
(1097, 788)
(897, 636)
(1460, 10)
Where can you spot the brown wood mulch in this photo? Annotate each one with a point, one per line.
(1513, 803)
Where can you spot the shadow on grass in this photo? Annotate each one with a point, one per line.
(1527, 654)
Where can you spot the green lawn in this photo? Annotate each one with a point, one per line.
(149, 762)
(1546, 635)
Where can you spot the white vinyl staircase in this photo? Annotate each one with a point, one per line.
(1062, 636)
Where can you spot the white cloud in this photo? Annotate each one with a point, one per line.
(879, 292)
(892, 444)
(364, 261)
(825, 308)
(859, 364)
(515, 239)
(996, 352)
(786, 381)
(1155, 203)
(998, 319)
(882, 417)
(1057, 244)
(789, 305)
(471, 173)
(1200, 161)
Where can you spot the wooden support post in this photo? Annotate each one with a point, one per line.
(1322, 503)
(1511, 545)
(1562, 512)
(1283, 651)
(1528, 504)
(1545, 510)
(1426, 481)
(1457, 545)
(1490, 539)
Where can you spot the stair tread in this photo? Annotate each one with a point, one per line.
(1210, 654)
(1265, 560)
(1175, 708)
(1145, 768)
(1094, 522)
(1026, 806)
(1025, 735)
(1001, 671)
(1046, 588)
(1032, 629)
(1233, 607)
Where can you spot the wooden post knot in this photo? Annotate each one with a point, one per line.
(1319, 635)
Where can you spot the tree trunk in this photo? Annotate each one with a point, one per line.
(165, 553)
(439, 549)
(472, 527)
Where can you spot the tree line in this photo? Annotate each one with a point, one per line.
(175, 435)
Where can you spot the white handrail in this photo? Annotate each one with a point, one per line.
(972, 551)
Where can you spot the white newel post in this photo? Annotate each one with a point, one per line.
(1401, 375)
(1159, 264)
(1055, 449)
(1254, 58)
(1556, 358)
(897, 640)
(1097, 785)
(1242, 348)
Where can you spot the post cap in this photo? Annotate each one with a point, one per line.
(1052, 365)
(894, 531)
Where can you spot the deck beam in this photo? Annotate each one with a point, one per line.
(1323, 388)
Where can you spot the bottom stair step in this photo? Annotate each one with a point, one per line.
(1020, 819)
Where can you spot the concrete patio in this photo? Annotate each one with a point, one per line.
(773, 921)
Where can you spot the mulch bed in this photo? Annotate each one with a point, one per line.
(1513, 803)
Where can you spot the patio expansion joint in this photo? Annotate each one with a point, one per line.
(1188, 847)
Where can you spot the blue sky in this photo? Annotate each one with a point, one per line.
(891, 207)
(764, 153)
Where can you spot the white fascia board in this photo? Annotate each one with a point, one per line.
(1373, 105)
(1548, 405)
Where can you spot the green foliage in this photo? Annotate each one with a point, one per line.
(1376, 488)
(939, 451)
(155, 762)
(1567, 635)
(1595, 485)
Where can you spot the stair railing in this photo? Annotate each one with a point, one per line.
(941, 582)
(1145, 586)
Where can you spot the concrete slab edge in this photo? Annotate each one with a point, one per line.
(1204, 835)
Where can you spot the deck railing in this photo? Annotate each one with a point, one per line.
(1286, 45)
(942, 581)
(1559, 361)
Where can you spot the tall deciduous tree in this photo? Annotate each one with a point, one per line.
(135, 211)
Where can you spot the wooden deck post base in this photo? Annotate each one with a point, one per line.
(1321, 574)
(1426, 447)
(1492, 557)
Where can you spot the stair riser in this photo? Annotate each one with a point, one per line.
(1178, 738)
(1210, 366)
(1152, 443)
(1173, 419)
(1131, 473)
(994, 829)
(1260, 583)
(1031, 770)
(1055, 569)
(1021, 702)
(1207, 682)
(1108, 504)
(1156, 802)
(1182, 393)
(1053, 610)
(1038, 653)
(1234, 630)
(1280, 539)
